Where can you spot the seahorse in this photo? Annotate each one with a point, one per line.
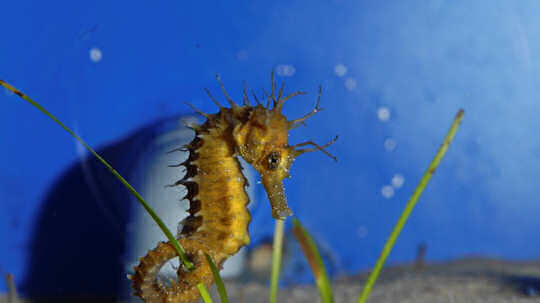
(218, 216)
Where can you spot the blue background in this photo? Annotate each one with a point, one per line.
(422, 60)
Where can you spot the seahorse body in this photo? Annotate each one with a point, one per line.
(218, 217)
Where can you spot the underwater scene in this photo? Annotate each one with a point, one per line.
(308, 151)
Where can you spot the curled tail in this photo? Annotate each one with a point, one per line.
(151, 290)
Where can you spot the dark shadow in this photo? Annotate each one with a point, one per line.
(78, 240)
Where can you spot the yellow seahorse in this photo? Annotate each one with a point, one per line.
(218, 217)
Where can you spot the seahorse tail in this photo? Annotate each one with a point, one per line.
(151, 290)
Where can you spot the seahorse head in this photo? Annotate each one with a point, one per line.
(263, 142)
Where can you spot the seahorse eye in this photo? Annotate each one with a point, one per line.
(273, 160)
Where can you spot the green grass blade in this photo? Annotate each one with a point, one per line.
(315, 261)
(205, 295)
(276, 259)
(410, 205)
(219, 282)
(139, 198)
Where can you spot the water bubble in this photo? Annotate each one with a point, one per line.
(387, 191)
(398, 180)
(340, 70)
(390, 144)
(350, 83)
(383, 113)
(95, 54)
(362, 231)
(285, 70)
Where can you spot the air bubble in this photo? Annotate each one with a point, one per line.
(350, 83)
(340, 70)
(362, 232)
(387, 191)
(285, 70)
(95, 54)
(398, 180)
(390, 144)
(383, 113)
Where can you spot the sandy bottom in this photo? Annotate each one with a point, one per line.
(464, 280)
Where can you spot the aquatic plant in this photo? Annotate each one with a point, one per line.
(280, 210)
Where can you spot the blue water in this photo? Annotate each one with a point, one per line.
(394, 74)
